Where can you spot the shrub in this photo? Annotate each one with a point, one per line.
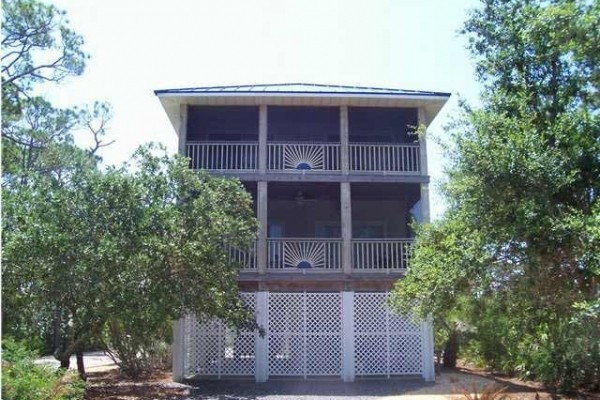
(135, 352)
(22, 379)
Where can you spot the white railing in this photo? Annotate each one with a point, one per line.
(386, 255)
(245, 258)
(222, 156)
(303, 254)
(385, 158)
(302, 157)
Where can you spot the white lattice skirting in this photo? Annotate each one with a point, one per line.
(342, 334)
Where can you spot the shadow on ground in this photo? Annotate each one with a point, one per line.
(110, 385)
(313, 389)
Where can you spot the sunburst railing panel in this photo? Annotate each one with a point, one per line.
(293, 254)
(303, 157)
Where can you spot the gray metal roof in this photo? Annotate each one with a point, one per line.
(311, 88)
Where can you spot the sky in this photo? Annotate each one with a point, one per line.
(137, 47)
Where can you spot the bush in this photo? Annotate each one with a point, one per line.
(135, 352)
(22, 379)
(564, 354)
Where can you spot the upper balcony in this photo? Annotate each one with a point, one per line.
(303, 140)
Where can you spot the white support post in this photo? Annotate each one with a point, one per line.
(344, 141)
(261, 373)
(262, 211)
(262, 139)
(425, 216)
(346, 216)
(348, 337)
(182, 131)
(178, 350)
(422, 116)
(427, 350)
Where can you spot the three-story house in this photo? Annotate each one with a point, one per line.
(337, 174)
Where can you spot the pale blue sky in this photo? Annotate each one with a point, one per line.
(138, 46)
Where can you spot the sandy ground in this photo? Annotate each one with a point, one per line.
(106, 383)
(94, 361)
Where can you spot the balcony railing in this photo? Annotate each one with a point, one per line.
(245, 258)
(302, 157)
(293, 254)
(223, 156)
(326, 157)
(385, 255)
(385, 158)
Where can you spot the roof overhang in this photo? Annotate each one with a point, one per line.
(172, 101)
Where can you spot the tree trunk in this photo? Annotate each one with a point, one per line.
(451, 350)
(80, 366)
(65, 361)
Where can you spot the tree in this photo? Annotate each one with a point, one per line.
(93, 254)
(516, 254)
(37, 138)
(127, 252)
(37, 46)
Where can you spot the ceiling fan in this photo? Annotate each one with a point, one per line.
(302, 198)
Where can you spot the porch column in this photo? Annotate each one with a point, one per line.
(422, 120)
(182, 129)
(261, 211)
(261, 347)
(346, 215)
(427, 350)
(348, 357)
(262, 139)
(425, 216)
(344, 141)
(178, 350)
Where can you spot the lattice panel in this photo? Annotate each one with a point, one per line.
(400, 324)
(286, 354)
(305, 334)
(213, 349)
(323, 355)
(370, 354)
(405, 354)
(304, 338)
(324, 313)
(286, 330)
(286, 313)
(324, 334)
(385, 343)
(369, 313)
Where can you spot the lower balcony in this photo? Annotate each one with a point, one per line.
(381, 255)
(316, 255)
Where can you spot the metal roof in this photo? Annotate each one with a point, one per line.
(299, 88)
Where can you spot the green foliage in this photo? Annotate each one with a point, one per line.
(516, 257)
(135, 351)
(24, 380)
(37, 46)
(126, 250)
